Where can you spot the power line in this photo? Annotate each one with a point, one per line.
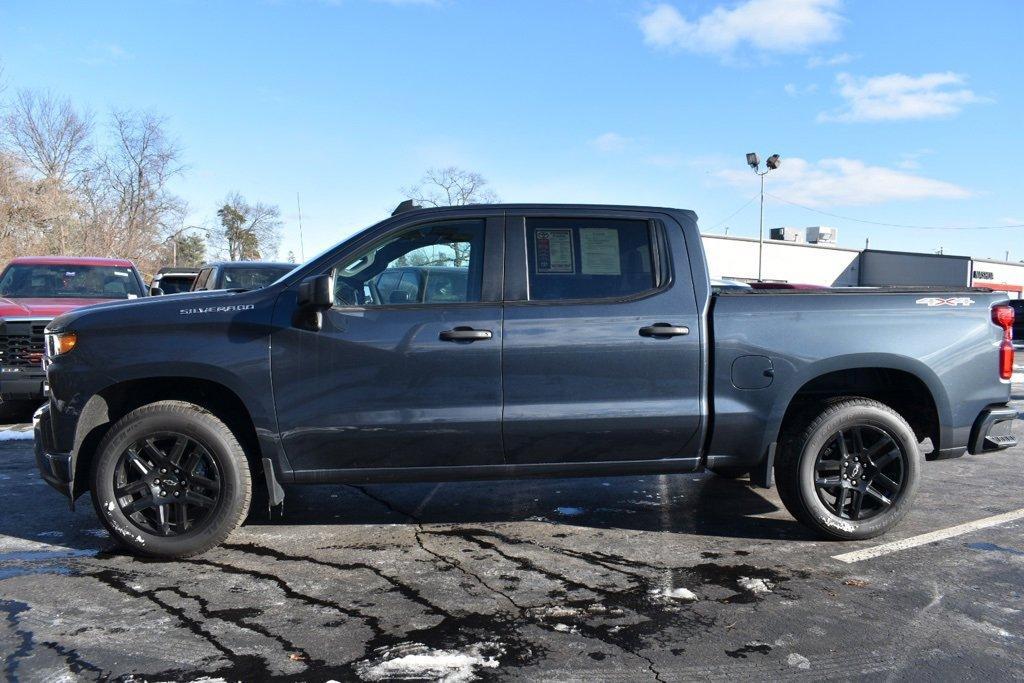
(897, 225)
(748, 203)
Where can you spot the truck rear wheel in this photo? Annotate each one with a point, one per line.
(852, 471)
(170, 480)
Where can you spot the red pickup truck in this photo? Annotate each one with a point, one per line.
(35, 290)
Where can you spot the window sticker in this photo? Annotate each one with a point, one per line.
(599, 251)
(554, 251)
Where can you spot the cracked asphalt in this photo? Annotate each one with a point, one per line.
(635, 578)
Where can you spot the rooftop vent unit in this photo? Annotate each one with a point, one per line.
(787, 234)
(826, 237)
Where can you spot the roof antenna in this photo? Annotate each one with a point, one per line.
(407, 205)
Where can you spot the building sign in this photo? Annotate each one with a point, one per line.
(983, 275)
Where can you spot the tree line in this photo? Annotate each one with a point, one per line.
(73, 184)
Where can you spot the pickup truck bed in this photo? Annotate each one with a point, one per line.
(581, 341)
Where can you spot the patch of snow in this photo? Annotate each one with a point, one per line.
(570, 512)
(675, 593)
(565, 628)
(755, 585)
(50, 534)
(98, 533)
(798, 661)
(15, 435)
(417, 661)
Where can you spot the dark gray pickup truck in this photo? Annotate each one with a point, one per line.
(586, 340)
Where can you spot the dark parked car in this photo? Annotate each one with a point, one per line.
(239, 275)
(1018, 320)
(172, 280)
(586, 342)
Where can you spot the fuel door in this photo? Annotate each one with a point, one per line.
(752, 372)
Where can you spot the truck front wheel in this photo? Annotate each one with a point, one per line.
(851, 472)
(170, 480)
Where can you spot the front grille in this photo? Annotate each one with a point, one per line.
(21, 343)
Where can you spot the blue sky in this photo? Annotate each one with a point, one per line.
(893, 112)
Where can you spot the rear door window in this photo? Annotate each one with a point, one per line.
(589, 258)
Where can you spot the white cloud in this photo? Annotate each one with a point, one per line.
(105, 53)
(899, 97)
(611, 142)
(765, 25)
(845, 182)
(794, 90)
(912, 160)
(834, 60)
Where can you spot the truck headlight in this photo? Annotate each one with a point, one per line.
(60, 342)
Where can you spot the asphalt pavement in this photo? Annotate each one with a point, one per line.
(634, 578)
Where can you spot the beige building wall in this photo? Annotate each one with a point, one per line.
(736, 258)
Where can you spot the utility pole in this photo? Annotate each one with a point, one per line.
(771, 163)
(302, 246)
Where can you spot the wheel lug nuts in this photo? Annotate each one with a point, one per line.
(162, 492)
(177, 493)
(163, 470)
(156, 481)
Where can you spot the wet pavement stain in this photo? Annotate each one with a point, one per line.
(749, 648)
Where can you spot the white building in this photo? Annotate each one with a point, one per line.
(735, 258)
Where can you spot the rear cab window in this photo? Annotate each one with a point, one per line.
(579, 259)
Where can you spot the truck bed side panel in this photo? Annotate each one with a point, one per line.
(953, 350)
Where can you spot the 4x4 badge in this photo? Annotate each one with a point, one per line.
(940, 301)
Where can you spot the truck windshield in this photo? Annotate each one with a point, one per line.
(55, 281)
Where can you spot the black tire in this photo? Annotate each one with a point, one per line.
(205, 513)
(730, 472)
(849, 431)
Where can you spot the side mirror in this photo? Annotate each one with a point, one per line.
(317, 292)
(155, 291)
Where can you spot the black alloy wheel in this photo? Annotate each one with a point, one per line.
(860, 472)
(167, 483)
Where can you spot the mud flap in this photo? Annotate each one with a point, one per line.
(763, 475)
(275, 494)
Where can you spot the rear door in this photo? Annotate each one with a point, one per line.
(601, 358)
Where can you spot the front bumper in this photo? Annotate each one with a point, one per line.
(57, 469)
(18, 384)
(993, 430)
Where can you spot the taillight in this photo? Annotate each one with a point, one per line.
(1003, 316)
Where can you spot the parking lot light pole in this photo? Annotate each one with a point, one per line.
(771, 163)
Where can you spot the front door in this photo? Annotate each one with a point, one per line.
(400, 375)
(602, 351)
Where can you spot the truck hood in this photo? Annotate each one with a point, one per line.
(42, 308)
(166, 305)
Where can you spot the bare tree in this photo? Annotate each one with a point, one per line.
(49, 135)
(451, 186)
(249, 231)
(128, 187)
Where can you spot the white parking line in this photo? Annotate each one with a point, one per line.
(931, 537)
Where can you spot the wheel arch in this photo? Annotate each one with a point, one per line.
(907, 385)
(104, 408)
